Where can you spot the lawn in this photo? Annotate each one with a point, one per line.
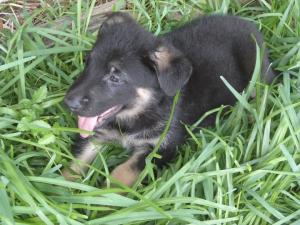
(244, 170)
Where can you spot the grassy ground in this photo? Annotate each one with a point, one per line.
(244, 170)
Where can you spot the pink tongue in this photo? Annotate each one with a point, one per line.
(87, 123)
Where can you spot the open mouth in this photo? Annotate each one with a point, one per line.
(89, 123)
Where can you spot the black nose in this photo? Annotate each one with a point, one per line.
(75, 103)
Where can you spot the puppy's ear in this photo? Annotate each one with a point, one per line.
(173, 69)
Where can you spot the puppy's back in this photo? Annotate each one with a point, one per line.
(217, 46)
(218, 39)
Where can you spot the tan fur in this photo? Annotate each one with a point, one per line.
(144, 96)
(80, 165)
(162, 57)
(115, 20)
(130, 140)
(125, 173)
(107, 135)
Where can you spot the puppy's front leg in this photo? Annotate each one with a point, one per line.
(85, 152)
(128, 172)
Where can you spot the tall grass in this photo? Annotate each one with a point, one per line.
(243, 170)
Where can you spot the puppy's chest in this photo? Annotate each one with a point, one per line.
(129, 140)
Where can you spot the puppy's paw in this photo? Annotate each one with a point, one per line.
(70, 175)
(126, 173)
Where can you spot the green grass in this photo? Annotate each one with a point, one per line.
(243, 170)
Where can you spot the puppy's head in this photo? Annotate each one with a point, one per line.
(123, 73)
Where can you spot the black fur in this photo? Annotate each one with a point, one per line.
(191, 59)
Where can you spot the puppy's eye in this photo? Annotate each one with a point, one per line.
(114, 79)
(113, 70)
(114, 75)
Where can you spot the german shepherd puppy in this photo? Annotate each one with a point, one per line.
(126, 89)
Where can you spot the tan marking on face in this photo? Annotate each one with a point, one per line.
(144, 97)
(125, 173)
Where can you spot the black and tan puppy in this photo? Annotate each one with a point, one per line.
(130, 78)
